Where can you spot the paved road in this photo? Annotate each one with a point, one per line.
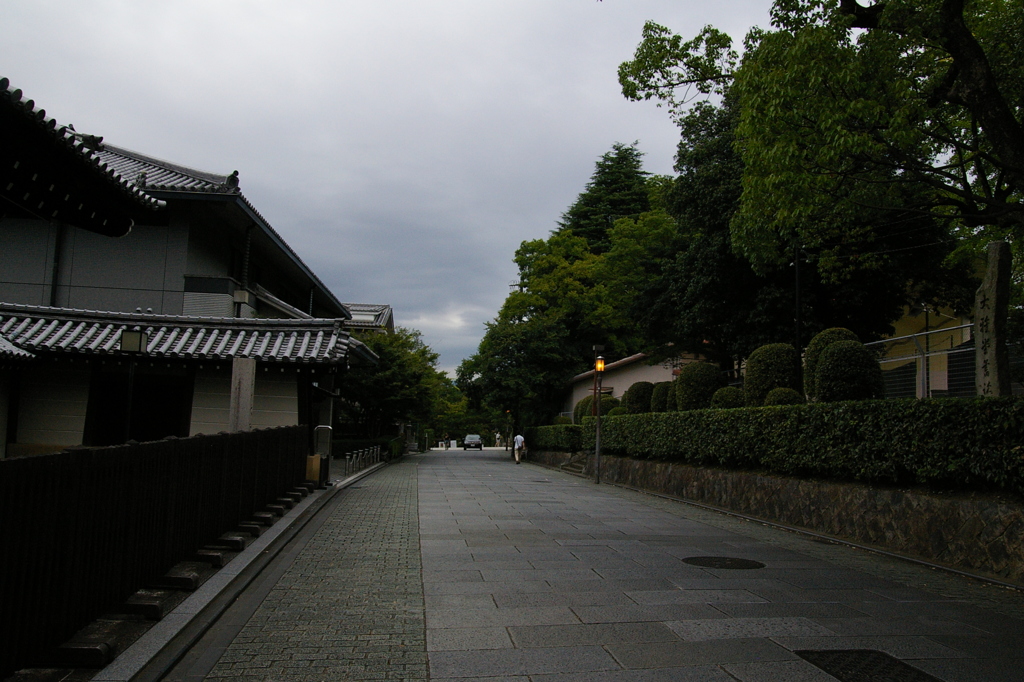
(465, 565)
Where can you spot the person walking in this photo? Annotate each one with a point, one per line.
(519, 447)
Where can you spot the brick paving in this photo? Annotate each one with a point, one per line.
(465, 566)
(351, 605)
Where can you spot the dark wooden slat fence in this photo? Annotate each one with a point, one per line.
(83, 529)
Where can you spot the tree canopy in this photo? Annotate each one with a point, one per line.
(911, 108)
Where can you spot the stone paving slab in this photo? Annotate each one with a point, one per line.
(609, 564)
(351, 605)
(463, 566)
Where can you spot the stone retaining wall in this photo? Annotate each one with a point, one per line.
(977, 534)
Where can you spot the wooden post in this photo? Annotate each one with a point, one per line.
(243, 384)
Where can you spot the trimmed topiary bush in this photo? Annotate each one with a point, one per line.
(776, 365)
(637, 398)
(582, 409)
(820, 342)
(616, 411)
(562, 419)
(659, 396)
(727, 397)
(608, 404)
(783, 396)
(847, 370)
(696, 384)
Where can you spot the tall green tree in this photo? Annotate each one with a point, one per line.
(709, 299)
(617, 189)
(403, 386)
(575, 291)
(912, 107)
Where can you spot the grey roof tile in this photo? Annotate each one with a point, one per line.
(38, 329)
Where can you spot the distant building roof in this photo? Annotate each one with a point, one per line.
(618, 364)
(41, 329)
(370, 316)
(53, 173)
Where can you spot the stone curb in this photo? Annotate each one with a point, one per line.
(163, 645)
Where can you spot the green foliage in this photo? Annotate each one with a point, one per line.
(848, 371)
(616, 411)
(783, 396)
(776, 365)
(617, 189)
(575, 290)
(582, 409)
(562, 420)
(728, 397)
(559, 438)
(948, 443)
(696, 384)
(608, 404)
(660, 397)
(917, 115)
(405, 385)
(819, 343)
(637, 398)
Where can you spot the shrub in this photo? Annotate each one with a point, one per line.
(637, 398)
(616, 411)
(582, 409)
(846, 370)
(562, 419)
(776, 365)
(559, 438)
(783, 396)
(727, 397)
(696, 384)
(608, 404)
(948, 443)
(820, 342)
(659, 396)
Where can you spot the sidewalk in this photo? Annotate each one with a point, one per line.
(469, 566)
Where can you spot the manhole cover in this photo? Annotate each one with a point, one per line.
(864, 665)
(722, 562)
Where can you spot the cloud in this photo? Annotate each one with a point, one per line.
(404, 149)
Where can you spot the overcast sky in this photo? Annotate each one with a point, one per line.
(404, 149)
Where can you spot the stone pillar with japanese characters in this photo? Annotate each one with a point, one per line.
(992, 363)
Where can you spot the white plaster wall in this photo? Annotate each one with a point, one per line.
(52, 405)
(619, 380)
(211, 402)
(276, 399)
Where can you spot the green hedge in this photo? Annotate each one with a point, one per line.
(557, 438)
(948, 443)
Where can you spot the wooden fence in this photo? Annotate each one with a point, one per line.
(83, 529)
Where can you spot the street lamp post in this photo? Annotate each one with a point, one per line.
(598, 372)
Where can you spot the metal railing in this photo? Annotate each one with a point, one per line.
(932, 364)
(357, 460)
(83, 529)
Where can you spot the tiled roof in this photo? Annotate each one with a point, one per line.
(60, 330)
(370, 316)
(8, 351)
(153, 174)
(54, 173)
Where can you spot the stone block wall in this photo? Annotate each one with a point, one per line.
(978, 534)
